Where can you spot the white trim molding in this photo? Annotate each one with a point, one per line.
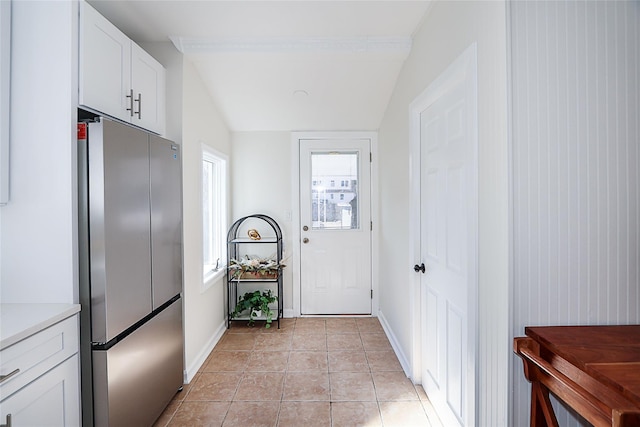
(197, 363)
(376, 45)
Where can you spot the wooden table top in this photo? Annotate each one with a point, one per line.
(609, 354)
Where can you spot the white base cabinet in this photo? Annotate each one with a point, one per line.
(39, 383)
(116, 76)
(50, 400)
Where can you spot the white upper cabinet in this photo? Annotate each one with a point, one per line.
(116, 76)
(148, 81)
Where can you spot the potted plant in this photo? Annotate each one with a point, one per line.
(258, 304)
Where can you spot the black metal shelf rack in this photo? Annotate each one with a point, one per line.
(236, 244)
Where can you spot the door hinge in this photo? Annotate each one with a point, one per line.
(371, 293)
(370, 157)
(371, 226)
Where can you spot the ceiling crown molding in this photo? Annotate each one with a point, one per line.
(394, 45)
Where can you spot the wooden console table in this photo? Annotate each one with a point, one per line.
(593, 369)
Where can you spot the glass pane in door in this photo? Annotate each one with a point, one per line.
(334, 190)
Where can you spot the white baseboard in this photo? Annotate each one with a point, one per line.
(192, 370)
(288, 313)
(404, 362)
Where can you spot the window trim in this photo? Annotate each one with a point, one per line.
(207, 153)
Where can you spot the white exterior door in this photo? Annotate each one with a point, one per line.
(448, 243)
(335, 221)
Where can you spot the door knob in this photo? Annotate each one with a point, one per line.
(418, 268)
(305, 240)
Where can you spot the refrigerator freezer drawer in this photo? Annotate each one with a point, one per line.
(135, 380)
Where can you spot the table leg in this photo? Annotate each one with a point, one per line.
(542, 414)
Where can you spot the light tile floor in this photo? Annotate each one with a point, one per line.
(327, 372)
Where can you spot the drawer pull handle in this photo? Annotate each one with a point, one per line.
(6, 377)
(8, 424)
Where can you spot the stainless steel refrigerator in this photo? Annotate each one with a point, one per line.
(130, 273)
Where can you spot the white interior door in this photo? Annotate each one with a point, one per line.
(448, 245)
(335, 218)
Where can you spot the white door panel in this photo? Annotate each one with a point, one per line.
(448, 206)
(335, 255)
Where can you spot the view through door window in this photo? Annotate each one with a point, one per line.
(334, 190)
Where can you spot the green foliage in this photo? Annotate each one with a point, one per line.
(256, 301)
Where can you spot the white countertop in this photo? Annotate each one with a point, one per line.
(18, 321)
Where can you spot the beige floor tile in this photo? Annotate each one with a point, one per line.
(237, 342)
(303, 341)
(180, 396)
(253, 414)
(403, 414)
(214, 386)
(369, 325)
(348, 361)
(375, 341)
(383, 361)
(341, 326)
(352, 386)
(273, 342)
(242, 327)
(311, 386)
(226, 361)
(306, 414)
(312, 325)
(260, 386)
(268, 361)
(355, 414)
(308, 361)
(312, 370)
(286, 327)
(200, 414)
(393, 386)
(168, 414)
(344, 342)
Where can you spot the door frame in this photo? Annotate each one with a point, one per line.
(464, 67)
(295, 196)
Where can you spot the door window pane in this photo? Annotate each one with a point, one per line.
(327, 210)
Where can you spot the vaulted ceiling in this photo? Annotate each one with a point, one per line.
(284, 65)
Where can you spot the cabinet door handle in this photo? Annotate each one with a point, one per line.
(139, 101)
(8, 424)
(130, 96)
(3, 378)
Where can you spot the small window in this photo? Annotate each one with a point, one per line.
(341, 196)
(333, 183)
(214, 213)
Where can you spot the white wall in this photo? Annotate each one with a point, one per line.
(576, 110)
(449, 28)
(192, 120)
(204, 314)
(261, 168)
(39, 225)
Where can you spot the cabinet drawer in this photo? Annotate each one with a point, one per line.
(37, 354)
